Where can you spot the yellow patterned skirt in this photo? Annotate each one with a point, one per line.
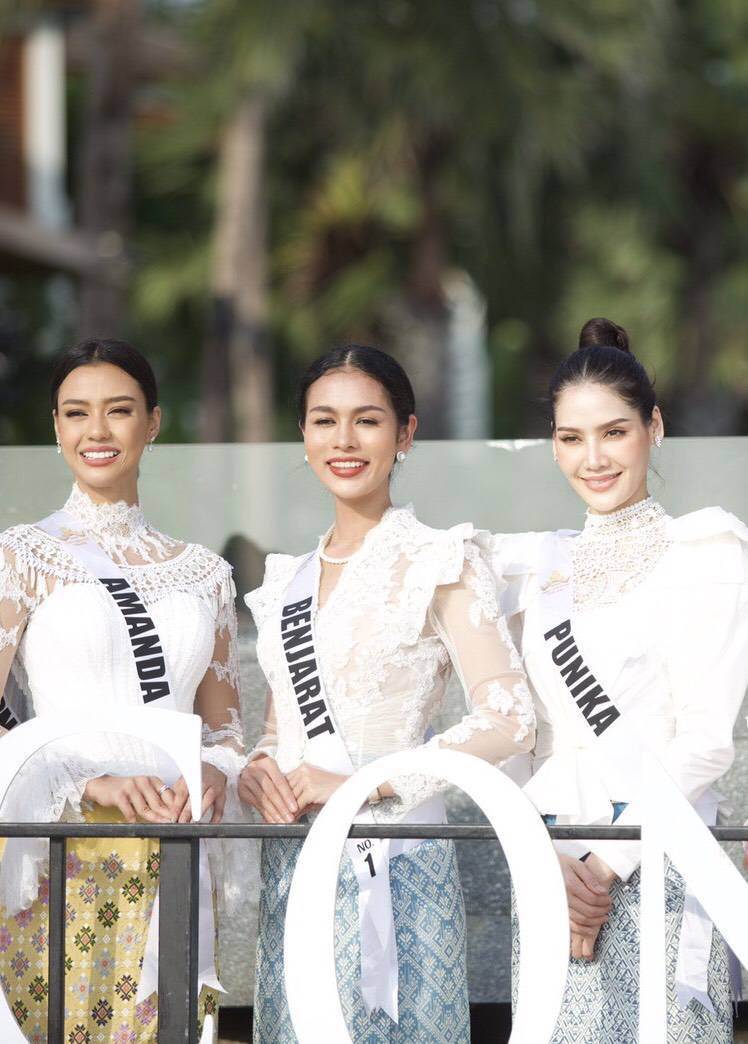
(111, 888)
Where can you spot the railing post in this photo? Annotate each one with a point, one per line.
(178, 925)
(56, 939)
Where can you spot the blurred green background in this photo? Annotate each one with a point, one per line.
(237, 185)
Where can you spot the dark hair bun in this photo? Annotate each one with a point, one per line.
(603, 333)
(604, 357)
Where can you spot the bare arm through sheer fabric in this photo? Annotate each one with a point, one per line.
(500, 720)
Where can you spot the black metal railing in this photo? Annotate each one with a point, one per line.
(178, 893)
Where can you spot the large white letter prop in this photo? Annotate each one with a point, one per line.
(311, 986)
(670, 825)
(175, 733)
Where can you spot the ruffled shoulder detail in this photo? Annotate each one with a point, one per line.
(707, 523)
(707, 546)
(513, 554)
(444, 549)
(279, 570)
(428, 557)
(515, 559)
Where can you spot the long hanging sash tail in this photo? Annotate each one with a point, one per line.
(600, 713)
(157, 691)
(326, 749)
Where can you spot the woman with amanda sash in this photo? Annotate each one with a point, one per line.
(633, 631)
(72, 648)
(357, 641)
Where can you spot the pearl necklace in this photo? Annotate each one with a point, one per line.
(333, 561)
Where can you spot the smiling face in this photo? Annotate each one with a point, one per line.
(603, 446)
(103, 425)
(351, 435)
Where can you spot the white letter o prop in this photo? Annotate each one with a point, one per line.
(311, 985)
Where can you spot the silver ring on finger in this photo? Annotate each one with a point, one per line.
(163, 788)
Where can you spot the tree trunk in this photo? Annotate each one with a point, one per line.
(418, 323)
(237, 373)
(106, 166)
(706, 246)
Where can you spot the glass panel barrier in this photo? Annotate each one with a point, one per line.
(246, 500)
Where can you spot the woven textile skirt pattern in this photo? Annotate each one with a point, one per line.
(110, 890)
(429, 919)
(601, 1000)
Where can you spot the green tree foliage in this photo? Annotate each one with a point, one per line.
(575, 159)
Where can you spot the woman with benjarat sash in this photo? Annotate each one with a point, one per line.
(635, 627)
(72, 649)
(357, 640)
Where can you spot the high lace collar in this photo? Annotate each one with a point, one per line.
(616, 553)
(120, 529)
(120, 521)
(636, 516)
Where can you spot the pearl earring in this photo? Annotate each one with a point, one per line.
(658, 441)
(400, 456)
(306, 459)
(59, 448)
(150, 446)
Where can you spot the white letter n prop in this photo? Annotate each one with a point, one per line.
(671, 826)
(311, 986)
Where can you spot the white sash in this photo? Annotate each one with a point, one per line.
(611, 727)
(326, 749)
(153, 674)
(157, 691)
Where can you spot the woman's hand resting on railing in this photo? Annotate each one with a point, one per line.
(587, 885)
(263, 786)
(146, 797)
(214, 793)
(283, 798)
(137, 797)
(312, 786)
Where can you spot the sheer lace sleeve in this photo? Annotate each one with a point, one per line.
(217, 700)
(235, 863)
(268, 741)
(15, 603)
(500, 721)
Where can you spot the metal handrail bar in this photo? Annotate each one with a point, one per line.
(178, 898)
(449, 831)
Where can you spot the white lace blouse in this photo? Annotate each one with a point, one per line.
(660, 615)
(412, 604)
(65, 642)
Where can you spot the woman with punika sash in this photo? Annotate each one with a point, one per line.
(98, 610)
(357, 640)
(634, 633)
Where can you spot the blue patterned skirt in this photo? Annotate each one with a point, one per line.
(429, 919)
(601, 1000)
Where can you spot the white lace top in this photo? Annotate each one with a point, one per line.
(66, 644)
(412, 604)
(660, 615)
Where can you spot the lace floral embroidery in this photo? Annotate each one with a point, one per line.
(616, 553)
(230, 732)
(386, 658)
(119, 529)
(8, 637)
